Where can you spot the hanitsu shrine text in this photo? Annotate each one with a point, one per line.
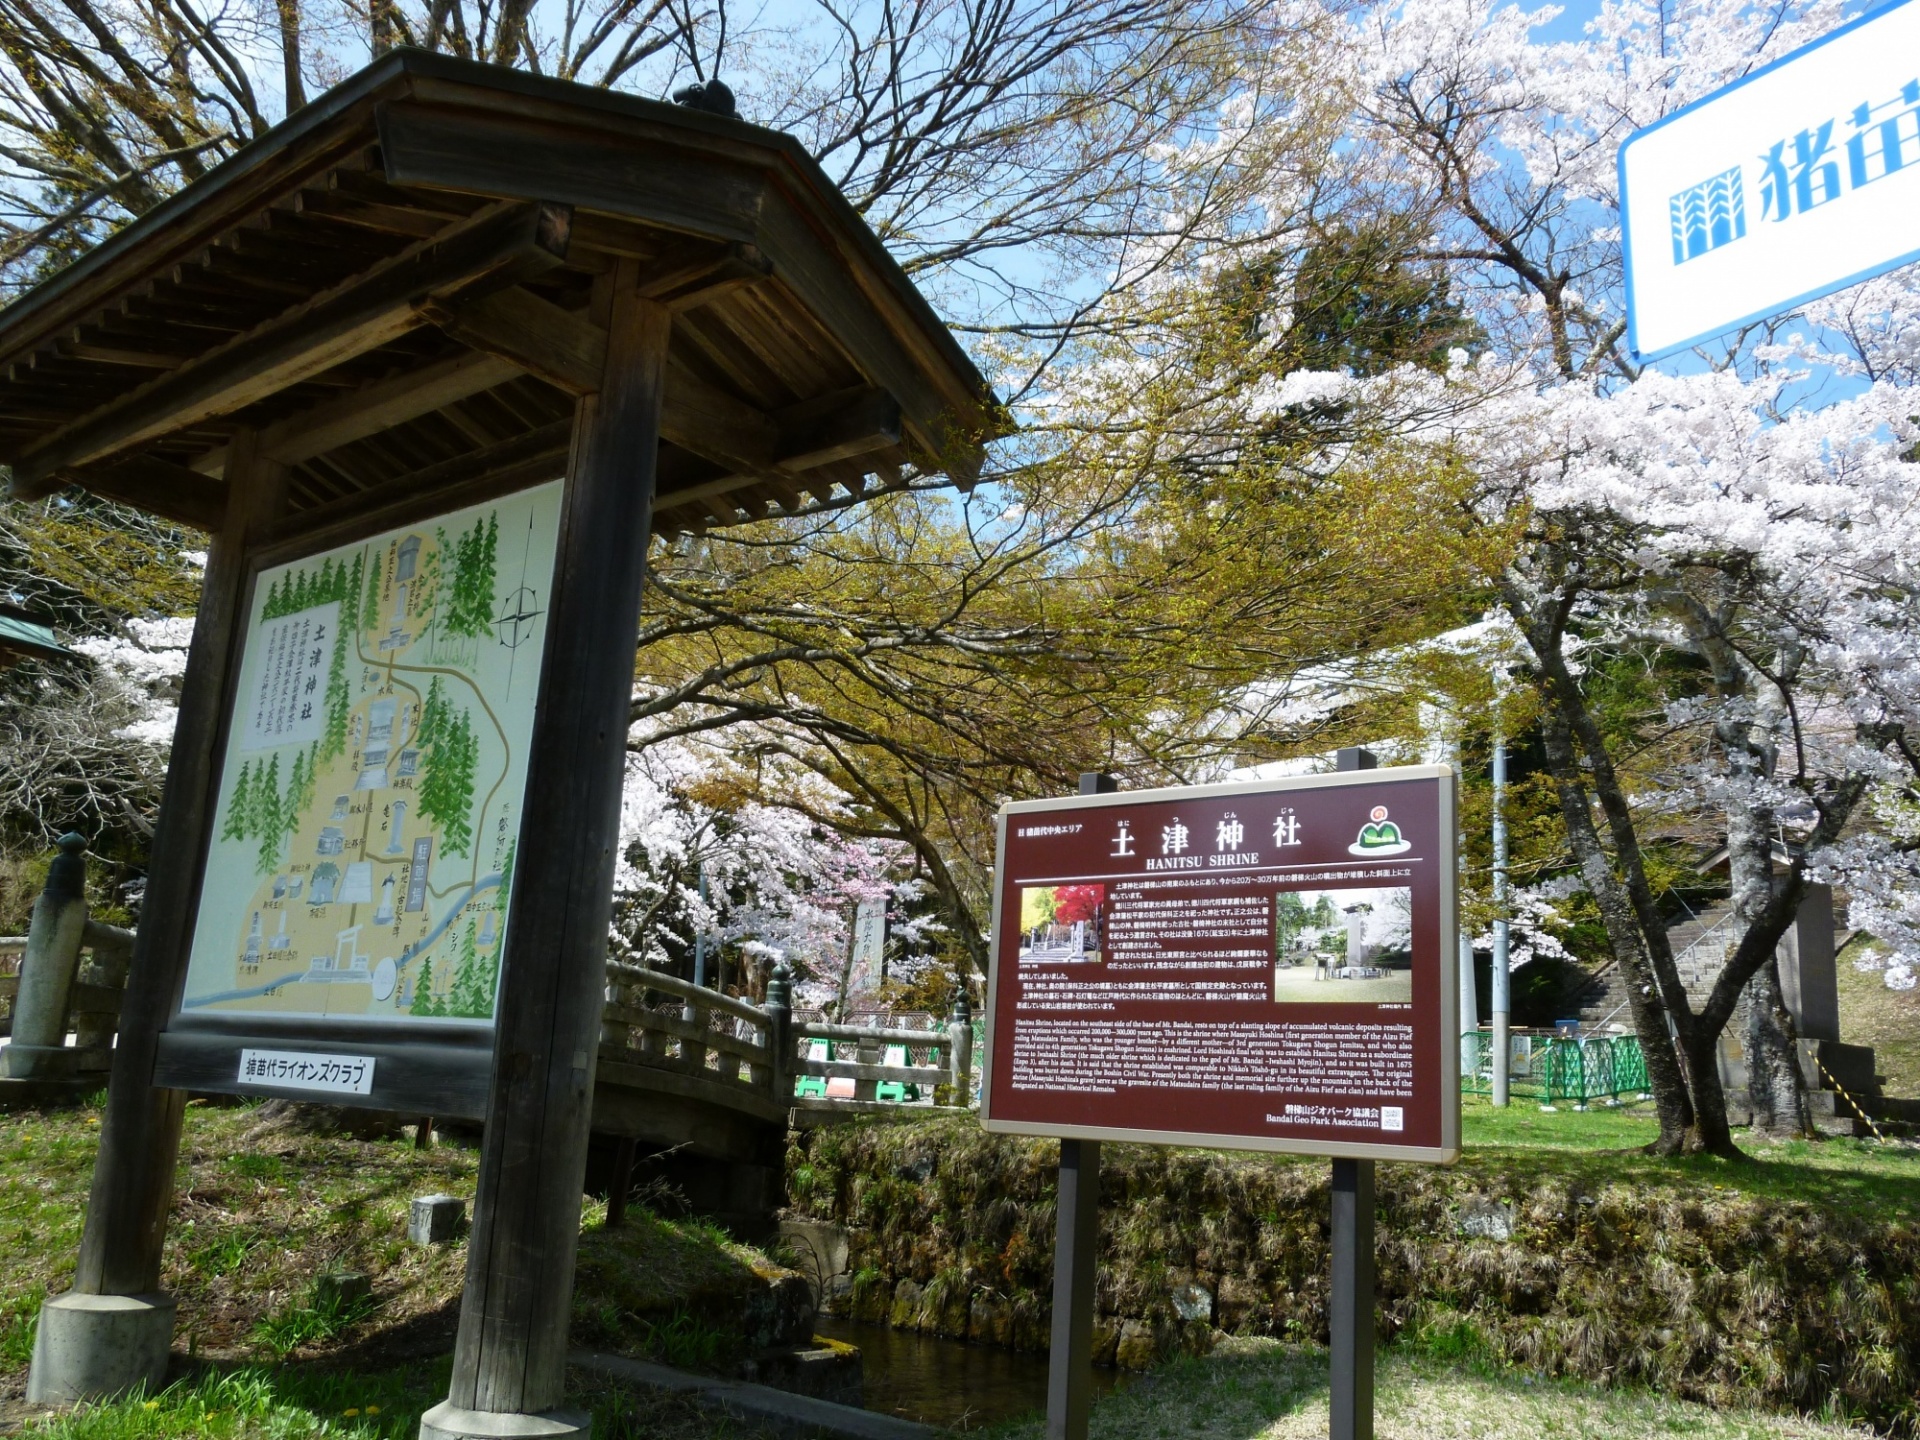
(1265, 966)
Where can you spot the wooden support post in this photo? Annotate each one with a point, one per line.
(510, 1358)
(960, 1047)
(867, 1051)
(1350, 1301)
(126, 1226)
(621, 1184)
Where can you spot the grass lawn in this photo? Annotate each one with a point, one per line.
(1267, 1390)
(1571, 1144)
(293, 1402)
(1888, 1020)
(263, 1207)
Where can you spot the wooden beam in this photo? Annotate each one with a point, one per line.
(499, 469)
(159, 487)
(373, 408)
(857, 424)
(535, 334)
(527, 459)
(358, 315)
(568, 350)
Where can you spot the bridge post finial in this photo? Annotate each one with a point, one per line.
(960, 1045)
(780, 1033)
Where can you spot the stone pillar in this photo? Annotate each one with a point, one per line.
(1807, 978)
(39, 1050)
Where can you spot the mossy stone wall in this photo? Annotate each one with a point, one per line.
(1701, 1292)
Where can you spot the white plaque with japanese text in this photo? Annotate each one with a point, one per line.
(1791, 183)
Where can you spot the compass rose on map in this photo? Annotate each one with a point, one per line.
(517, 616)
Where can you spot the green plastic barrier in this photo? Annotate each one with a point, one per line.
(1597, 1067)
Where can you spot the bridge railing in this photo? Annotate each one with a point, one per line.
(662, 1021)
(97, 965)
(884, 1065)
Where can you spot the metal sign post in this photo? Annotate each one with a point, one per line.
(1076, 1251)
(1350, 1298)
(1265, 966)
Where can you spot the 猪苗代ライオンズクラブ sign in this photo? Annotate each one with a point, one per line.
(1787, 185)
(1263, 966)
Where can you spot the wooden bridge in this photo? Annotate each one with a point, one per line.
(696, 1090)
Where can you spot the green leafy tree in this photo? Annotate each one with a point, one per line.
(449, 758)
(333, 735)
(470, 994)
(350, 581)
(299, 793)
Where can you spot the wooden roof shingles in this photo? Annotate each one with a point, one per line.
(392, 289)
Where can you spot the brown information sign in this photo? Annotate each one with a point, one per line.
(1263, 966)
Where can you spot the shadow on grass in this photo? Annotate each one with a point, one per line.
(295, 1400)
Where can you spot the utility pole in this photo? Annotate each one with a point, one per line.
(1502, 995)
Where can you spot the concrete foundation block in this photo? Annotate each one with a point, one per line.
(447, 1421)
(41, 1062)
(92, 1347)
(435, 1219)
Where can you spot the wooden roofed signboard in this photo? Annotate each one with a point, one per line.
(386, 316)
(434, 361)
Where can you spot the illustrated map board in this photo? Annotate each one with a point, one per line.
(370, 802)
(1262, 966)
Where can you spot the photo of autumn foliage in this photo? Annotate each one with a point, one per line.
(1062, 923)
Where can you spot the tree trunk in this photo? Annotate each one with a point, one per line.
(1710, 1132)
(293, 79)
(1664, 1077)
(1773, 1077)
(1774, 1081)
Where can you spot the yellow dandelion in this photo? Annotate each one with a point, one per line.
(373, 1409)
(153, 1405)
(351, 1411)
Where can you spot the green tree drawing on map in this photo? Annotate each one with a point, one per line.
(297, 796)
(264, 816)
(470, 995)
(333, 734)
(237, 805)
(423, 1001)
(449, 756)
(350, 596)
(370, 607)
(506, 882)
(466, 590)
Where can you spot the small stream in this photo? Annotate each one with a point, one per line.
(948, 1382)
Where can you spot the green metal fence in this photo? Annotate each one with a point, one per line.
(1552, 1068)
